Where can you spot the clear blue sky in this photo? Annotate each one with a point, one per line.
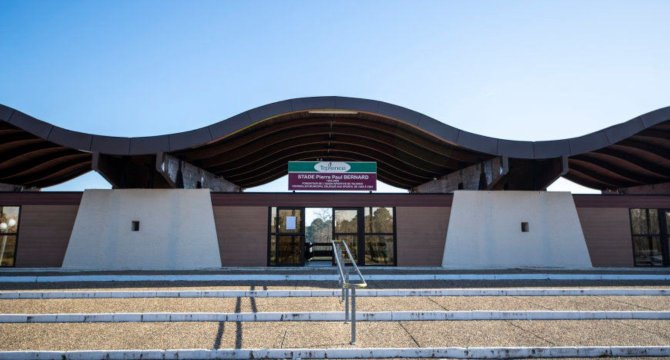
(529, 70)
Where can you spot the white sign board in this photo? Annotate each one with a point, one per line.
(290, 223)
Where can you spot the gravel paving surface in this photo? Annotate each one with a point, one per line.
(211, 305)
(602, 303)
(333, 304)
(106, 336)
(288, 335)
(479, 333)
(600, 332)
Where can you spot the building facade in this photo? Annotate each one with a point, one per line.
(473, 202)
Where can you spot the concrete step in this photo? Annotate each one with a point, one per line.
(330, 316)
(333, 277)
(361, 353)
(333, 269)
(5, 295)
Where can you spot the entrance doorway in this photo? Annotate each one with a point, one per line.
(301, 236)
(347, 227)
(289, 236)
(318, 237)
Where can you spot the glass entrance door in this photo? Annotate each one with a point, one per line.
(318, 235)
(290, 237)
(299, 236)
(347, 226)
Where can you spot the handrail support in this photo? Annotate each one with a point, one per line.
(346, 283)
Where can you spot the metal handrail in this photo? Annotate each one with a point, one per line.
(337, 254)
(345, 281)
(346, 284)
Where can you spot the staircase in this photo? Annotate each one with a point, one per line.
(306, 319)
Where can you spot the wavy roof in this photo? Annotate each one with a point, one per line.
(252, 148)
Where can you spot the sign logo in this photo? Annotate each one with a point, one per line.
(332, 175)
(332, 167)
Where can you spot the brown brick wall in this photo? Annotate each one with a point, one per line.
(44, 233)
(607, 233)
(243, 235)
(421, 233)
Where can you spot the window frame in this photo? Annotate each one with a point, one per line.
(15, 234)
(360, 235)
(663, 234)
(274, 231)
(394, 234)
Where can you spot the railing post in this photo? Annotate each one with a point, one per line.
(346, 304)
(353, 316)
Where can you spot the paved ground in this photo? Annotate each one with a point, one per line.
(292, 335)
(322, 334)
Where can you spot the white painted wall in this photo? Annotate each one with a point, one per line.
(176, 230)
(485, 231)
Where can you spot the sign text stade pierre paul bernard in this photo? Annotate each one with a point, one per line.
(332, 175)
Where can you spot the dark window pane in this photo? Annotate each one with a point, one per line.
(656, 252)
(288, 250)
(654, 228)
(379, 221)
(368, 219)
(319, 231)
(667, 222)
(638, 218)
(346, 221)
(641, 250)
(379, 250)
(352, 243)
(9, 219)
(7, 250)
(290, 221)
(273, 249)
(648, 251)
(273, 220)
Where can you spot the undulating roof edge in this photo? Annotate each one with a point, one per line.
(202, 136)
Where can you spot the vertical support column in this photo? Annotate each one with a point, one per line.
(100, 242)
(346, 304)
(353, 316)
(484, 231)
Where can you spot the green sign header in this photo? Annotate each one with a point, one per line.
(332, 167)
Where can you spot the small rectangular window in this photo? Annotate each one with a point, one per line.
(379, 236)
(648, 237)
(9, 231)
(524, 227)
(136, 225)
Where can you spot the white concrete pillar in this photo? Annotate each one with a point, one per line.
(485, 231)
(176, 231)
